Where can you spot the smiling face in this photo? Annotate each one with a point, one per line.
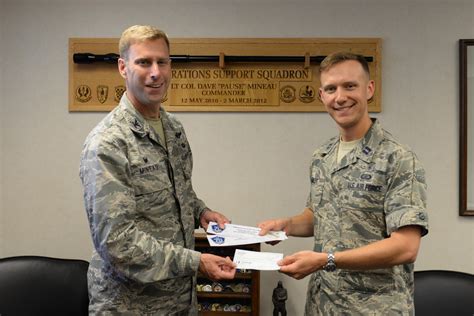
(345, 91)
(147, 74)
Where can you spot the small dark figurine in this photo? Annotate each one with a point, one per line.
(279, 297)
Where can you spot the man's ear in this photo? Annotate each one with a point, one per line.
(122, 68)
(370, 89)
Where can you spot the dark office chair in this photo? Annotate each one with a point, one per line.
(440, 292)
(35, 285)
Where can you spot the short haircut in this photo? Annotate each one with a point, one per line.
(339, 57)
(138, 34)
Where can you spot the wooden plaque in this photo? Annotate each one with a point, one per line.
(223, 85)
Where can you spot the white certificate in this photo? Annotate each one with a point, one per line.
(223, 240)
(254, 260)
(232, 235)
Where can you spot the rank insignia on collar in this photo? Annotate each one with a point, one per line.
(137, 124)
(366, 150)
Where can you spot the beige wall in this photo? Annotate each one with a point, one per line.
(251, 166)
(2, 115)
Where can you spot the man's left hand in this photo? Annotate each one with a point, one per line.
(212, 216)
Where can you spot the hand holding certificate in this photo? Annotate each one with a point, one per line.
(254, 260)
(233, 235)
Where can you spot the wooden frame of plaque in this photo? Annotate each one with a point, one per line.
(226, 84)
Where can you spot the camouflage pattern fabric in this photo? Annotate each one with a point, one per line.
(376, 188)
(142, 213)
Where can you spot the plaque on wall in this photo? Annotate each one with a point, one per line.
(223, 75)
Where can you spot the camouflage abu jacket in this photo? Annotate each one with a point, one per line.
(142, 212)
(376, 188)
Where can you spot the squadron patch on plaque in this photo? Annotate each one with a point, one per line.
(83, 93)
(119, 90)
(288, 94)
(102, 93)
(307, 94)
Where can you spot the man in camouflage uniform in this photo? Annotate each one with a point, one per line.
(136, 170)
(366, 208)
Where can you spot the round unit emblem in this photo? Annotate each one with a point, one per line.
(307, 94)
(83, 93)
(287, 94)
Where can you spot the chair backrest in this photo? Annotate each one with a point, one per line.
(35, 285)
(439, 292)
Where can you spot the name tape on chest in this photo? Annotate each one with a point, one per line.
(364, 187)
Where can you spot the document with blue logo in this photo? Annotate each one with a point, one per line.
(254, 260)
(233, 235)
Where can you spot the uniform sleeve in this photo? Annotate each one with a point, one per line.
(196, 204)
(110, 203)
(316, 184)
(405, 201)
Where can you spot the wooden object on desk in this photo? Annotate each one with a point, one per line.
(252, 298)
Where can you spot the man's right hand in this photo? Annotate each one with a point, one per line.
(281, 224)
(275, 225)
(300, 225)
(216, 268)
